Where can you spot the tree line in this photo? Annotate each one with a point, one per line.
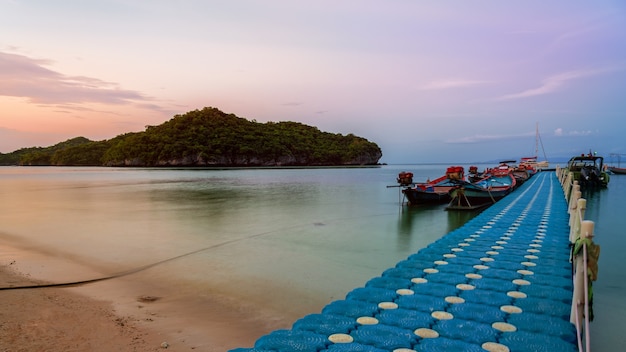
(208, 137)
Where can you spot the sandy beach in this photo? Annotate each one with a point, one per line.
(124, 314)
(52, 319)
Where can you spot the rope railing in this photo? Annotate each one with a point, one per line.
(584, 258)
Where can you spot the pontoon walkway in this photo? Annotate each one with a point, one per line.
(502, 282)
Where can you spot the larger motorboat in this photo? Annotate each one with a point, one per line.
(588, 170)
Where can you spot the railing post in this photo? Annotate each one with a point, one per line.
(569, 183)
(576, 216)
(582, 278)
(573, 202)
(587, 233)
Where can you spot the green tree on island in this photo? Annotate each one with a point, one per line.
(208, 137)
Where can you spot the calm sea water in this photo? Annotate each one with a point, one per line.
(608, 209)
(289, 239)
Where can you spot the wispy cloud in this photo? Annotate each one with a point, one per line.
(559, 132)
(594, 25)
(555, 82)
(479, 138)
(450, 83)
(25, 77)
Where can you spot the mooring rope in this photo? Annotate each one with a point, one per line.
(145, 267)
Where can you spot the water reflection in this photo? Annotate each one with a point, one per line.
(415, 219)
(428, 222)
(457, 219)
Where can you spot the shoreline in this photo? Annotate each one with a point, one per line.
(125, 314)
(55, 319)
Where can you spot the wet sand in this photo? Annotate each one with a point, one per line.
(123, 314)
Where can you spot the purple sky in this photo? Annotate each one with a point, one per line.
(445, 81)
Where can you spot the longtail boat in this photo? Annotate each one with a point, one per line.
(495, 185)
(436, 191)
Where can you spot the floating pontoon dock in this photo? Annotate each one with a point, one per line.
(502, 282)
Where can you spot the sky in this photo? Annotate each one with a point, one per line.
(428, 81)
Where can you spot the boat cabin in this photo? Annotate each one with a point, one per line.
(589, 170)
(578, 163)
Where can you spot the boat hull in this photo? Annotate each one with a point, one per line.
(436, 191)
(470, 196)
(417, 196)
(617, 170)
(521, 176)
(474, 198)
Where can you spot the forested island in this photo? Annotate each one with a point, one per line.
(207, 137)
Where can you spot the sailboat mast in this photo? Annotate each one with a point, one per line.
(536, 139)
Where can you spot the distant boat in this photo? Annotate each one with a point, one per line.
(588, 170)
(432, 192)
(521, 172)
(617, 169)
(496, 184)
(531, 162)
(532, 165)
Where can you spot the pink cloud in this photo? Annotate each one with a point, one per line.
(25, 77)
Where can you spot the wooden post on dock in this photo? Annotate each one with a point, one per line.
(573, 201)
(567, 187)
(585, 261)
(560, 174)
(574, 196)
(575, 219)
